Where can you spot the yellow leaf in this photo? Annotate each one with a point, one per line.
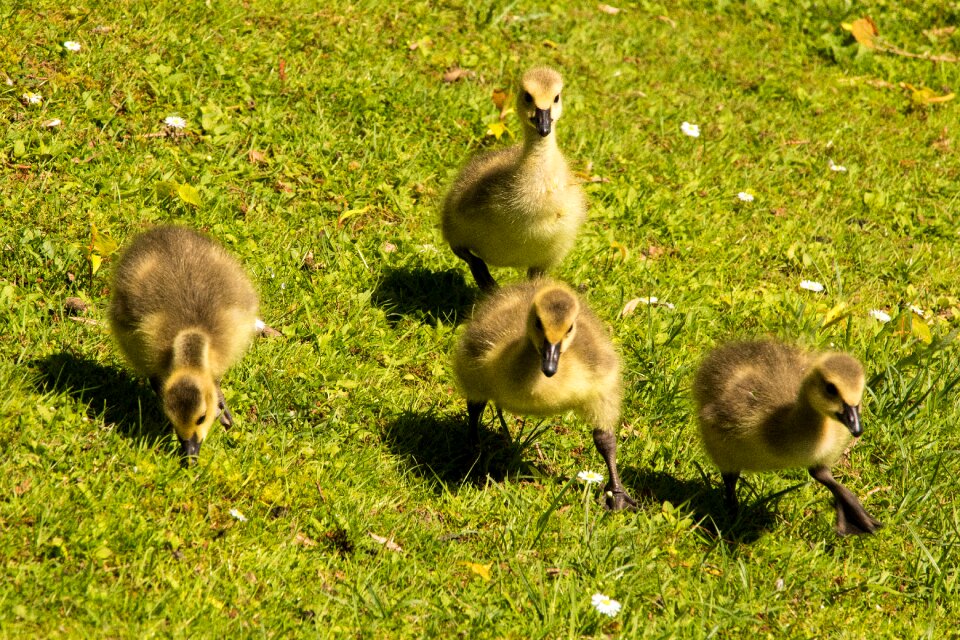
(101, 242)
(925, 95)
(482, 570)
(95, 262)
(550, 44)
(864, 30)
(624, 252)
(835, 315)
(189, 194)
(349, 213)
(496, 129)
(921, 331)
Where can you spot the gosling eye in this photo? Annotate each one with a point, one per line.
(570, 330)
(201, 419)
(831, 390)
(527, 97)
(557, 99)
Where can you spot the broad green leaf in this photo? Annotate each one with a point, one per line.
(189, 194)
(95, 262)
(920, 330)
(482, 570)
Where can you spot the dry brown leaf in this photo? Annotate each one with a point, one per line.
(629, 308)
(256, 157)
(304, 540)
(500, 101)
(940, 32)
(386, 542)
(389, 247)
(23, 487)
(456, 73)
(605, 8)
(666, 19)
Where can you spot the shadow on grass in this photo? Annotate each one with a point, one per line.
(705, 503)
(132, 408)
(426, 295)
(437, 447)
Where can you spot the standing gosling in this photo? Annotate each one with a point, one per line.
(518, 207)
(767, 405)
(183, 311)
(511, 353)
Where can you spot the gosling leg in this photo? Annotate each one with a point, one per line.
(730, 491)
(617, 497)
(852, 518)
(226, 418)
(478, 268)
(474, 411)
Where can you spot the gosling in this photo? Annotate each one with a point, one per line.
(521, 206)
(510, 354)
(766, 405)
(182, 312)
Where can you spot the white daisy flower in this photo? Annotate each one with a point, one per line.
(877, 314)
(836, 167)
(745, 197)
(917, 310)
(692, 130)
(811, 285)
(175, 122)
(239, 516)
(32, 98)
(259, 325)
(605, 605)
(590, 477)
(71, 45)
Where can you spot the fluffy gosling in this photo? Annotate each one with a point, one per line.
(766, 405)
(183, 311)
(535, 348)
(521, 206)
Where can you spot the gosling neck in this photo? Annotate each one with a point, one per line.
(536, 145)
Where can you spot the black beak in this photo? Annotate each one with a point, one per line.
(189, 449)
(850, 417)
(542, 120)
(551, 356)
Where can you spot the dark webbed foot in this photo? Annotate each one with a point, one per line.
(730, 479)
(474, 412)
(226, 418)
(852, 518)
(617, 497)
(478, 268)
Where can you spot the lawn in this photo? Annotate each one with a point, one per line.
(319, 140)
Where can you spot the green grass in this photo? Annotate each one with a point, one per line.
(350, 425)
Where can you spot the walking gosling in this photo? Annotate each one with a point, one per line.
(510, 354)
(518, 207)
(183, 311)
(767, 405)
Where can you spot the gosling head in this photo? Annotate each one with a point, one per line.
(190, 401)
(834, 388)
(538, 101)
(552, 325)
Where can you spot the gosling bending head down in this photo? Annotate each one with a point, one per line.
(183, 311)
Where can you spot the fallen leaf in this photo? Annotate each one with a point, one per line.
(456, 73)
(622, 248)
(256, 157)
(346, 215)
(23, 487)
(550, 44)
(500, 99)
(666, 19)
(605, 8)
(864, 30)
(389, 247)
(482, 570)
(496, 129)
(386, 542)
(189, 194)
(303, 540)
(630, 307)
